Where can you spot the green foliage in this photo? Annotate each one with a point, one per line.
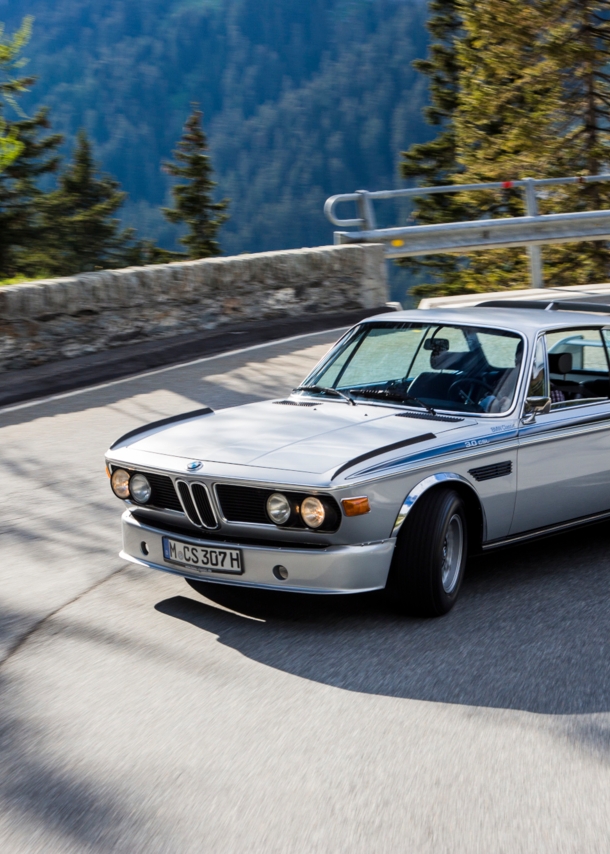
(194, 205)
(532, 100)
(434, 163)
(301, 100)
(10, 146)
(79, 231)
(33, 157)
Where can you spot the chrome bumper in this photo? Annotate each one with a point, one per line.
(336, 569)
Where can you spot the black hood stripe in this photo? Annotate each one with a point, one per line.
(425, 437)
(162, 423)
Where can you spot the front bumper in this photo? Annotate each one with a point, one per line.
(336, 569)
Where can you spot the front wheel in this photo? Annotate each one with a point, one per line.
(430, 557)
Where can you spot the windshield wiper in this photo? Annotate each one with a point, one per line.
(393, 394)
(320, 389)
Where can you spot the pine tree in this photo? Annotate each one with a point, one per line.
(79, 227)
(434, 163)
(535, 101)
(505, 120)
(580, 47)
(194, 205)
(529, 97)
(10, 147)
(33, 156)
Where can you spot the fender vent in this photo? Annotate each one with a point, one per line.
(489, 472)
(293, 403)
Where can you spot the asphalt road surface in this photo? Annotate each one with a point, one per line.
(138, 716)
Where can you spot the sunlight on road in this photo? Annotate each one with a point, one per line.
(266, 377)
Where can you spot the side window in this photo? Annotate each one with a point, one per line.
(539, 385)
(578, 367)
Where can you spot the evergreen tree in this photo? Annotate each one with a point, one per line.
(33, 156)
(580, 46)
(79, 229)
(434, 163)
(10, 147)
(529, 97)
(194, 205)
(505, 120)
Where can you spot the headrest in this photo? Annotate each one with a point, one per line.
(560, 363)
(518, 353)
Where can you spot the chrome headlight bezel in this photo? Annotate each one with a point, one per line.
(119, 483)
(313, 512)
(140, 488)
(279, 508)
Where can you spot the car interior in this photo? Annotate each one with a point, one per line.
(578, 370)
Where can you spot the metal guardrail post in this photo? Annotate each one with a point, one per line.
(365, 209)
(534, 252)
(531, 231)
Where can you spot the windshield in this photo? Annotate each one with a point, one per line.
(459, 368)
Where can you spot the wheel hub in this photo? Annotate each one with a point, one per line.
(453, 546)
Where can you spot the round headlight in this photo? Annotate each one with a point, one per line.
(120, 483)
(278, 508)
(313, 512)
(140, 488)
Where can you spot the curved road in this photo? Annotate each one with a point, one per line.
(138, 716)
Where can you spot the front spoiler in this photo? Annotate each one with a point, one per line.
(356, 568)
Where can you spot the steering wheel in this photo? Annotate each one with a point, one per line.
(464, 388)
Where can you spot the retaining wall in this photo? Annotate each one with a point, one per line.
(47, 321)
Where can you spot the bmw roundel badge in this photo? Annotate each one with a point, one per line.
(194, 465)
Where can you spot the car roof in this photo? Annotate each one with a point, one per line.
(525, 320)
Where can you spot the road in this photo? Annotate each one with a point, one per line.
(138, 716)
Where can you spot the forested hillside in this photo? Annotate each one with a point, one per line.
(301, 99)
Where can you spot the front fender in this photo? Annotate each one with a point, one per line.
(430, 482)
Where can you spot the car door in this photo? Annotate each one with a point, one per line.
(563, 457)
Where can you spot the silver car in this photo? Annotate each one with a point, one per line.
(420, 438)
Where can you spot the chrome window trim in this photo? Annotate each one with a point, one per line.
(506, 414)
(576, 406)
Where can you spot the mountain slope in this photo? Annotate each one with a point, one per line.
(301, 100)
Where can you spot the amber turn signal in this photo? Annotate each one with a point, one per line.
(356, 506)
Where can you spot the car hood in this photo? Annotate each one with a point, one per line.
(277, 435)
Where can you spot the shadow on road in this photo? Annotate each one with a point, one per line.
(530, 632)
(41, 795)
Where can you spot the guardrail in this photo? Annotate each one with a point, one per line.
(530, 231)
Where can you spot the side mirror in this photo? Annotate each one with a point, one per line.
(536, 406)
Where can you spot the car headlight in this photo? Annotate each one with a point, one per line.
(140, 488)
(278, 508)
(313, 512)
(120, 483)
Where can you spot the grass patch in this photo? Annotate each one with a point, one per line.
(19, 280)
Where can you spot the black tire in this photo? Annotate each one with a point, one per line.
(423, 581)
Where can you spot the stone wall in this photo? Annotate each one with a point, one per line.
(47, 321)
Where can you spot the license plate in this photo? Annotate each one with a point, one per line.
(203, 558)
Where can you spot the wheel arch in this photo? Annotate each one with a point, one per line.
(474, 508)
